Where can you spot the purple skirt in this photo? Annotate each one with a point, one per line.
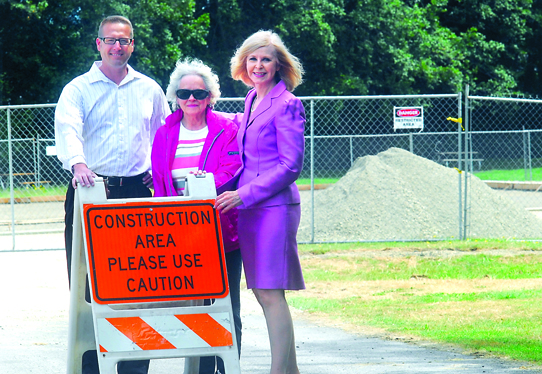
(267, 237)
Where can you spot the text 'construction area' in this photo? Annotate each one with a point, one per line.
(141, 252)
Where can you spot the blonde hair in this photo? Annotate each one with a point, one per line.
(191, 66)
(116, 19)
(291, 71)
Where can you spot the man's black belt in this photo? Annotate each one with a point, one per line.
(123, 181)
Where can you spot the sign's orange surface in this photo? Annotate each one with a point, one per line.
(146, 252)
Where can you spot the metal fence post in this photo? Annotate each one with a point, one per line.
(459, 127)
(11, 192)
(34, 154)
(530, 155)
(312, 171)
(38, 177)
(351, 152)
(466, 168)
(528, 173)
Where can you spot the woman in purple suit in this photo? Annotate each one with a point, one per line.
(271, 146)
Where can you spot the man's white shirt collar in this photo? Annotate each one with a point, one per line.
(97, 75)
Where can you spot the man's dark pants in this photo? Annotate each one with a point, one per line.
(211, 364)
(130, 190)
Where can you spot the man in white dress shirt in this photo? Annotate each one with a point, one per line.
(105, 122)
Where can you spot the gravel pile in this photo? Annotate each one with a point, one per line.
(397, 195)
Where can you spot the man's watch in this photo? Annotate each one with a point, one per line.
(73, 167)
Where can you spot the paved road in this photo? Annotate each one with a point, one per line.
(34, 320)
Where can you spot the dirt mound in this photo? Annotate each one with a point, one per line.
(397, 195)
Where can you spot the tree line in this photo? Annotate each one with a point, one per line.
(347, 47)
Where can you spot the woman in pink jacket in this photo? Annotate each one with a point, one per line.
(195, 138)
(271, 145)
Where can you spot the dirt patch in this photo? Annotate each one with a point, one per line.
(415, 286)
(418, 284)
(389, 253)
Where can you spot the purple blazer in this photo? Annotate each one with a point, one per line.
(272, 146)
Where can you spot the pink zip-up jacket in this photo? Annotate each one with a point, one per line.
(220, 156)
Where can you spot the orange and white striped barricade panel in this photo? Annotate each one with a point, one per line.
(164, 332)
(151, 262)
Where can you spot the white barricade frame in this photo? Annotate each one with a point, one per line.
(134, 323)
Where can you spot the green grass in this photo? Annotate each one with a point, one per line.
(463, 267)
(33, 191)
(510, 175)
(459, 300)
(302, 181)
(516, 335)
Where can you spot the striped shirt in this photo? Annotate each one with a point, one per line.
(189, 148)
(109, 127)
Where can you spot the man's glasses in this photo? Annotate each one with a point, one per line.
(198, 94)
(122, 41)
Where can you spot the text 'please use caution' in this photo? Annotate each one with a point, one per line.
(144, 252)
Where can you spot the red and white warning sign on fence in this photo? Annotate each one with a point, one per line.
(408, 118)
(146, 252)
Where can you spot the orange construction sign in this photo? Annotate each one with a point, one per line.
(155, 251)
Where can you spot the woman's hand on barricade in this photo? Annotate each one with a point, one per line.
(227, 201)
(199, 172)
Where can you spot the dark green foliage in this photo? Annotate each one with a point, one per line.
(348, 47)
(45, 44)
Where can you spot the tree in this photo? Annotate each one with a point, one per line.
(231, 22)
(348, 47)
(373, 47)
(303, 25)
(42, 39)
(494, 34)
(51, 42)
(530, 80)
(166, 31)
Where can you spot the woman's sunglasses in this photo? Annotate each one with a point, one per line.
(198, 94)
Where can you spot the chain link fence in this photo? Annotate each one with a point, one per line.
(503, 135)
(506, 133)
(32, 182)
(342, 129)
